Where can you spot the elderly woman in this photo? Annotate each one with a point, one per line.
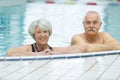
(40, 30)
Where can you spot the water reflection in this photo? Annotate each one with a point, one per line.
(112, 20)
(11, 26)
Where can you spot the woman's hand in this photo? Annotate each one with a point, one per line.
(45, 52)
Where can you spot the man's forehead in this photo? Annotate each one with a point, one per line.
(92, 17)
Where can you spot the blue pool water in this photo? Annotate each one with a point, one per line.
(66, 20)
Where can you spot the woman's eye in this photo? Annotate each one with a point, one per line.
(45, 31)
(38, 32)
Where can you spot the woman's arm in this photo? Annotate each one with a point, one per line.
(68, 50)
(21, 51)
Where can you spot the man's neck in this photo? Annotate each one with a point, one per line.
(91, 38)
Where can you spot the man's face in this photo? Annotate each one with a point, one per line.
(92, 23)
(41, 36)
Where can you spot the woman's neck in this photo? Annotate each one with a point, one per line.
(40, 47)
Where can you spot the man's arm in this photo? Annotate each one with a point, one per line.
(102, 47)
(109, 43)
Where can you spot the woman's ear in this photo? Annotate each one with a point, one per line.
(33, 36)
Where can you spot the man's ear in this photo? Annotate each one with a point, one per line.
(83, 22)
(100, 24)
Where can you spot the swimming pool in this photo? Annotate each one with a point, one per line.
(66, 20)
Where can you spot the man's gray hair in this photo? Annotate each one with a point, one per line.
(41, 23)
(95, 12)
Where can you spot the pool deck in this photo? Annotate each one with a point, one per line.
(105, 67)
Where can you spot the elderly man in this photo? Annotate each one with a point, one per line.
(92, 38)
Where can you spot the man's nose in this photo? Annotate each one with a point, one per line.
(91, 25)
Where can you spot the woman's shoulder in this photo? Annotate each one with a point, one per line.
(27, 47)
(21, 48)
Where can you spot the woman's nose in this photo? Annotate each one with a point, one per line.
(42, 34)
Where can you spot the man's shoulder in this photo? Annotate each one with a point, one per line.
(102, 33)
(77, 35)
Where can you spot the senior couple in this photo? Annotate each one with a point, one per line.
(90, 41)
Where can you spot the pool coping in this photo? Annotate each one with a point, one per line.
(64, 56)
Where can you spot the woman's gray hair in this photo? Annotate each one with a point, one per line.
(42, 23)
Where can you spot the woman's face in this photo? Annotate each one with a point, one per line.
(41, 36)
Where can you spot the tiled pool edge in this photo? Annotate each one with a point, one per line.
(64, 56)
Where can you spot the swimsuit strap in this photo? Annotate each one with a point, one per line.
(50, 47)
(33, 48)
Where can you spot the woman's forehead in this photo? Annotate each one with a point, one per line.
(38, 28)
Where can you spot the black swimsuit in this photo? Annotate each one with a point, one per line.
(34, 48)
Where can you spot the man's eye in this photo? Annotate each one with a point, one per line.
(95, 22)
(88, 22)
